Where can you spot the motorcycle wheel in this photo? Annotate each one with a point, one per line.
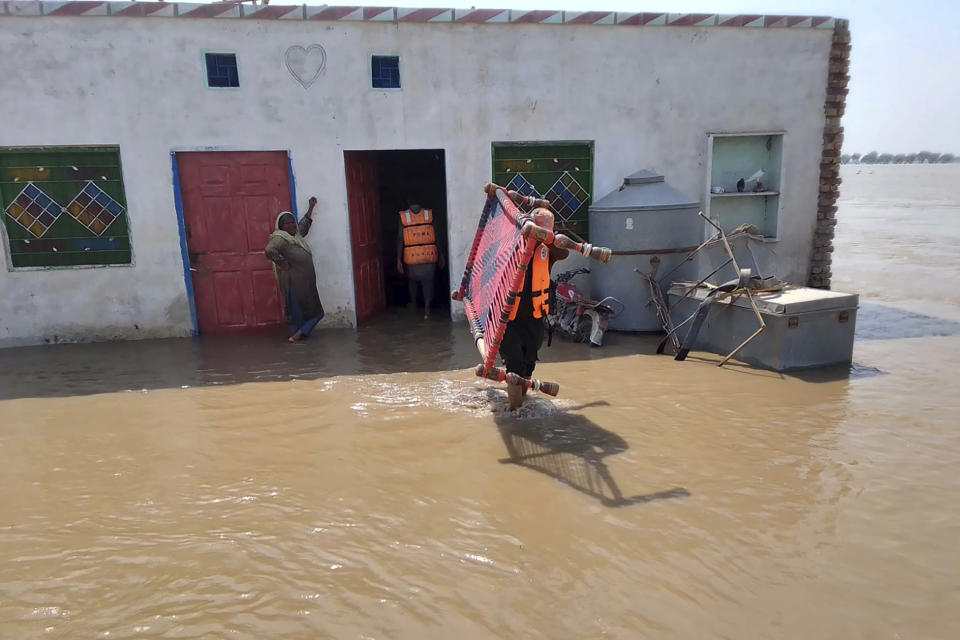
(584, 326)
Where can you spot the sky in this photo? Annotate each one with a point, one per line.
(904, 66)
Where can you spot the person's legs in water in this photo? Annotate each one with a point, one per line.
(423, 275)
(412, 290)
(519, 347)
(515, 395)
(426, 286)
(296, 317)
(307, 327)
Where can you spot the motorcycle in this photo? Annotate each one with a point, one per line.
(575, 316)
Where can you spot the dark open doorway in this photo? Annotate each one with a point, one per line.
(381, 184)
(408, 178)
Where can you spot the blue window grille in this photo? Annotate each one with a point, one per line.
(386, 72)
(222, 70)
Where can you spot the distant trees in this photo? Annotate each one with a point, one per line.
(920, 157)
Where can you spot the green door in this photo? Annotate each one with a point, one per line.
(561, 172)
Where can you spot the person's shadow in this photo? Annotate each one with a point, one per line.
(566, 446)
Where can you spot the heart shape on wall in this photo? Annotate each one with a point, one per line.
(305, 64)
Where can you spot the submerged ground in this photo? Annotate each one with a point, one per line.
(366, 485)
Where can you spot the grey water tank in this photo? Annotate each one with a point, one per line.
(647, 223)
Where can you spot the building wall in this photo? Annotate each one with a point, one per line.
(646, 97)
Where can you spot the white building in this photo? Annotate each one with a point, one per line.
(115, 227)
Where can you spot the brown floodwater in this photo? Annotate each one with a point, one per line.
(366, 485)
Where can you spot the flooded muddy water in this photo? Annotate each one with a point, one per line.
(367, 485)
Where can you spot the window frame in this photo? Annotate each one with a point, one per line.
(206, 76)
(5, 238)
(399, 71)
(782, 134)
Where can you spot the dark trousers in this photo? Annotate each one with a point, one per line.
(520, 344)
(421, 274)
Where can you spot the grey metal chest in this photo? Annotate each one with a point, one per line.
(805, 327)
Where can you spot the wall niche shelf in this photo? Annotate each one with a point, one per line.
(738, 156)
(744, 194)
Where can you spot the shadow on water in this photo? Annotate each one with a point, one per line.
(881, 322)
(568, 447)
(390, 344)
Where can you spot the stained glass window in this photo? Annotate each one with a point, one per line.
(522, 186)
(567, 198)
(560, 172)
(63, 207)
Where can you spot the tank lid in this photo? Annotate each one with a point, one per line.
(644, 176)
(644, 190)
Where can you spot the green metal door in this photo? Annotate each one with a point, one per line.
(561, 172)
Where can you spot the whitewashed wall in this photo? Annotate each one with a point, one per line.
(645, 96)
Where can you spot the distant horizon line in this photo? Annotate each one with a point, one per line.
(938, 153)
(913, 157)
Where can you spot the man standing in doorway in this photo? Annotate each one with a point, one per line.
(417, 253)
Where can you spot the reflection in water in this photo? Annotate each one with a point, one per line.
(392, 344)
(354, 486)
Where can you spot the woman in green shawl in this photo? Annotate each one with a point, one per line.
(296, 277)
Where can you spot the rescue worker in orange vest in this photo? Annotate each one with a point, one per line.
(524, 333)
(417, 254)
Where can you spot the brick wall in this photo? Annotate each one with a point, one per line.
(837, 81)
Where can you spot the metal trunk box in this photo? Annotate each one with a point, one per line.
(805, 327)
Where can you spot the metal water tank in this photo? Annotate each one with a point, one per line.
(648, 224)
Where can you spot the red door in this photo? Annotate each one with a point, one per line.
(363, 199)
(230, 205)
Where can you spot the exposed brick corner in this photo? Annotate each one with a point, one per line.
(833, 109)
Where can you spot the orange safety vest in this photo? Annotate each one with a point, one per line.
(419, 243)
(539, 285)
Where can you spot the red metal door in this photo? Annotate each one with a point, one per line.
(230, 205)
(363, 199)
